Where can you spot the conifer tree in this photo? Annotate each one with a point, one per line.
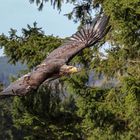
(47, 113)
(71, 108)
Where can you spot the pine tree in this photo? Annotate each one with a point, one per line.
(48, 113)
(70, 108)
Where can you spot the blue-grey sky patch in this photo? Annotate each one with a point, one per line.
(17, 14)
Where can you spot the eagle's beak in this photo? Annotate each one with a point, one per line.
(73, 70)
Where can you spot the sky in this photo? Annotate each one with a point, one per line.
(17, 14)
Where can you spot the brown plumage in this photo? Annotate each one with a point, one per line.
(55, 64)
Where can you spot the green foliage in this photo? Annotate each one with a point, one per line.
(47, 116)
(7, 130)
(124, 36)
(69, 108)
(55, 3)
(82, 10)
(30, 48)
(115, 113)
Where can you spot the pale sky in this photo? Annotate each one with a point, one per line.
(18, 13)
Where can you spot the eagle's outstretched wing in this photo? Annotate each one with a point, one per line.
(55, 63)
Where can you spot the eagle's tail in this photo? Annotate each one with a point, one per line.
(91, 33)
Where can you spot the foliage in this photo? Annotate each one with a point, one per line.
(28, 47)
(55, 3)
(46, 116)
(7, 130)
(82, 11)
(4, 117)
(69, 108)
(118, 107)
(114, 115)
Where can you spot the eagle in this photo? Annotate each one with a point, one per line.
(56, 63)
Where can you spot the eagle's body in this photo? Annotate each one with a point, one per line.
(56, 62)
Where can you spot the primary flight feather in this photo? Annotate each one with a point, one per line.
(56, 62)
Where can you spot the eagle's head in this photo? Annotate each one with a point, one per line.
(65, 69)
(72, 69)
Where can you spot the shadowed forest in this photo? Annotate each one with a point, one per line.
(101, 102)
(9, 71)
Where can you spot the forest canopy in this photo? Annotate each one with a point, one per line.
(71, 107)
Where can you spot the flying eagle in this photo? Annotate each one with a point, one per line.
(56, 62)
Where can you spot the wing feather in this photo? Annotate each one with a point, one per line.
(83, 38)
